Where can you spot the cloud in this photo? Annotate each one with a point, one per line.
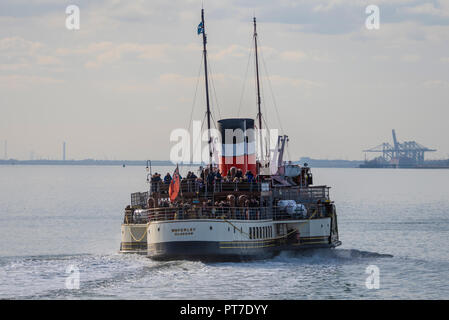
(234, 50)
(103, 53)
(293, 55)
(172, 78)
(381, 58)
(436, 84)
(410, 58)
(294, 82)
(16, 81)
(48, 60)
(429, 9)
(18, 45)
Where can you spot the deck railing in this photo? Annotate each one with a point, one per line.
(231, 213)
(204, 188)
(199, 186)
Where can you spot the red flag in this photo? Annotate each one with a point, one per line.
(173, 189)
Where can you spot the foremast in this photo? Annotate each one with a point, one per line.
(203, 31)
(259, 111)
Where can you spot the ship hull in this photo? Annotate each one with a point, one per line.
(134, 238)
(222, 240)
(214, 251)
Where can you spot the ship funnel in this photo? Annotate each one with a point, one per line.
(238, 145)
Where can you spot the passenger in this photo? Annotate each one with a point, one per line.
(231, 174)
(218, 176)
(193, 176)
(249, 176)
(167, 178)
(210, 180)
(157, 177)
(239, 174)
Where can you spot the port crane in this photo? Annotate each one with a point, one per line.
(404, 154)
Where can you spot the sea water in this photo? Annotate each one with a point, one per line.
(60, 236)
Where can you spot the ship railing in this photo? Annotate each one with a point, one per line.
(203, 187)
(314, 192)
(231, 213)
(306, 194)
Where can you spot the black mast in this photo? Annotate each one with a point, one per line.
(207, 88)
(259, 114)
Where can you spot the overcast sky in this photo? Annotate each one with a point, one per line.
(117, 87)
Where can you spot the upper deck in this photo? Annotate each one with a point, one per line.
(198, 189)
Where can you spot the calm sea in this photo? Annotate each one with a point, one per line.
(54, 219)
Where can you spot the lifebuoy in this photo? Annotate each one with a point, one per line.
(151, 203)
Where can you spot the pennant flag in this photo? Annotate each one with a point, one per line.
(173, 189)
(200, 28)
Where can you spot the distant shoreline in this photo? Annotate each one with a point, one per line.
(86, 162)
(317, 163)
(314, 163)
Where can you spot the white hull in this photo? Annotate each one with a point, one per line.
(221, 238)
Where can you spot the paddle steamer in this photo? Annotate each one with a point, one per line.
(230, 217)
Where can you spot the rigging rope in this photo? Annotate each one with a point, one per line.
(244, 79)
(213, 87)
(196, 90)
(271, 90)
(200, 138)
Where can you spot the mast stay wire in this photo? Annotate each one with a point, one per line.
(200, 138)
(196, 91)
(214, 90)
(246, 76)
(271, 90)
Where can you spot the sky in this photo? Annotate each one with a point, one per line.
(117, 87)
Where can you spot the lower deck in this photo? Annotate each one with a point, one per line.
(222, 239)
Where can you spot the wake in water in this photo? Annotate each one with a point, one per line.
(324, 256)
(340, 254)
(43, 277)
(106, 276)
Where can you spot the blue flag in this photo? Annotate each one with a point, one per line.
(200, 28)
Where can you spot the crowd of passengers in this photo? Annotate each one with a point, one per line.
(234, 175)
(209, 209)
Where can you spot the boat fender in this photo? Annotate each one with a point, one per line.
(242, 200)
(231, 200)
